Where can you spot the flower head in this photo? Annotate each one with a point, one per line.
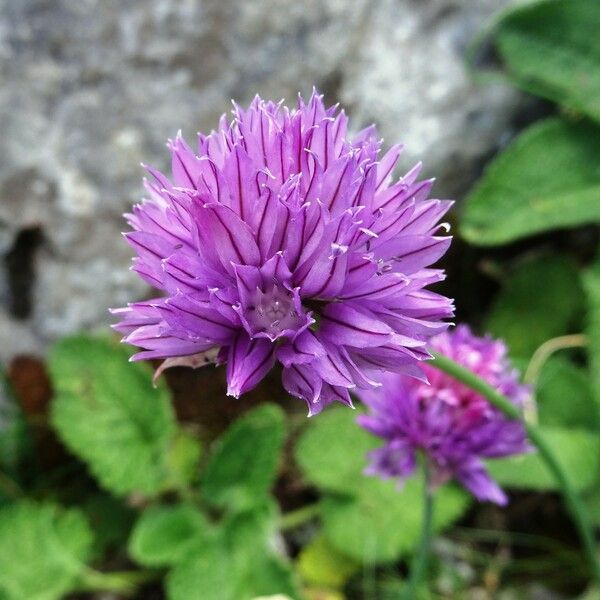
(281, 239)
(451, 424)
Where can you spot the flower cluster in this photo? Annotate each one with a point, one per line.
(281, 239)
(450, 423)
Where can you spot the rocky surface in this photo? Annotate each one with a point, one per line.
(90, 88)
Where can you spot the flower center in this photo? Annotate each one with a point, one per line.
(274, 312)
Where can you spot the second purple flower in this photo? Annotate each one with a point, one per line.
(280, 238)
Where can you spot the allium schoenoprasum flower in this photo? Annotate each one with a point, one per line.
(452, 425)
(283, 239)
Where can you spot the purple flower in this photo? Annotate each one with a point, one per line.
(280, 239)
(451, 424)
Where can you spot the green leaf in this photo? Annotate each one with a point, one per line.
(320, 564)
(524, 318)
(332, 451)
(163, 535)
(236, 564)
(552, 49)
(250, 537)
(202, 575)
(245, 462)
(368, 519)
(108, 413)
(578, 452)
(564, 396)
(548, 178)
(591, 283)
(42, 550)
(383, 522)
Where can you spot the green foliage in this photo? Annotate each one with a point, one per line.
(368, 519)
(516, 314)
(108, 413)
(163, 535)
(564, 396)
(42, 550)
(552, 49)
(320, 564)
(546, 179)
(577, 450)
(237, 563)
(245, 461)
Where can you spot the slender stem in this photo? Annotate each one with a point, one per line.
(124, 583)
(547, 349)
(295, 518)
(572, 500)
(418, 568)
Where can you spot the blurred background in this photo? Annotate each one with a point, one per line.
(110, 488)
(90, 89)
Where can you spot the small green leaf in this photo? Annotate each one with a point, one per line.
(546, 179)
(383, 522)
(320, 564)
(238, 563)
(43, 550)
(368, 519)
(251, 537)
(108, 413)
(578, 452)
(183, 458)
(591, 283)
(163, 535)
(245, 462)
(332, 451)
(523, 318)
(202, 575)
(552, 49)
(564, 396)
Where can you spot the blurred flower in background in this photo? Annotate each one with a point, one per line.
(453, 425)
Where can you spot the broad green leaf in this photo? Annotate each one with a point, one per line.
(250, 537)
(577, 450)
(539, 301)
(552, 49)
(332, 451)
(202, 575)
(368, 519)
(548, 178)
(320, 564)
(592, 501)
(246, 458)
(183, 458)
(591, 283)
(108, 413)
(236, 564)
(564, 396)
(43, 550)
(163, 535)
(383, 522)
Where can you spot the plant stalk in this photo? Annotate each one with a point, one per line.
(572, 500)
(418, 567)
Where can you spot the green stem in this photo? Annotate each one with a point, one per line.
(418, 567)
(124, 583)
(573, 502)
(295, 518)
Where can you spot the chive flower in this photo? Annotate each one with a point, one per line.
(453, 426)
(283, 239)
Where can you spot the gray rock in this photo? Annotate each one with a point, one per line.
(90, 88)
